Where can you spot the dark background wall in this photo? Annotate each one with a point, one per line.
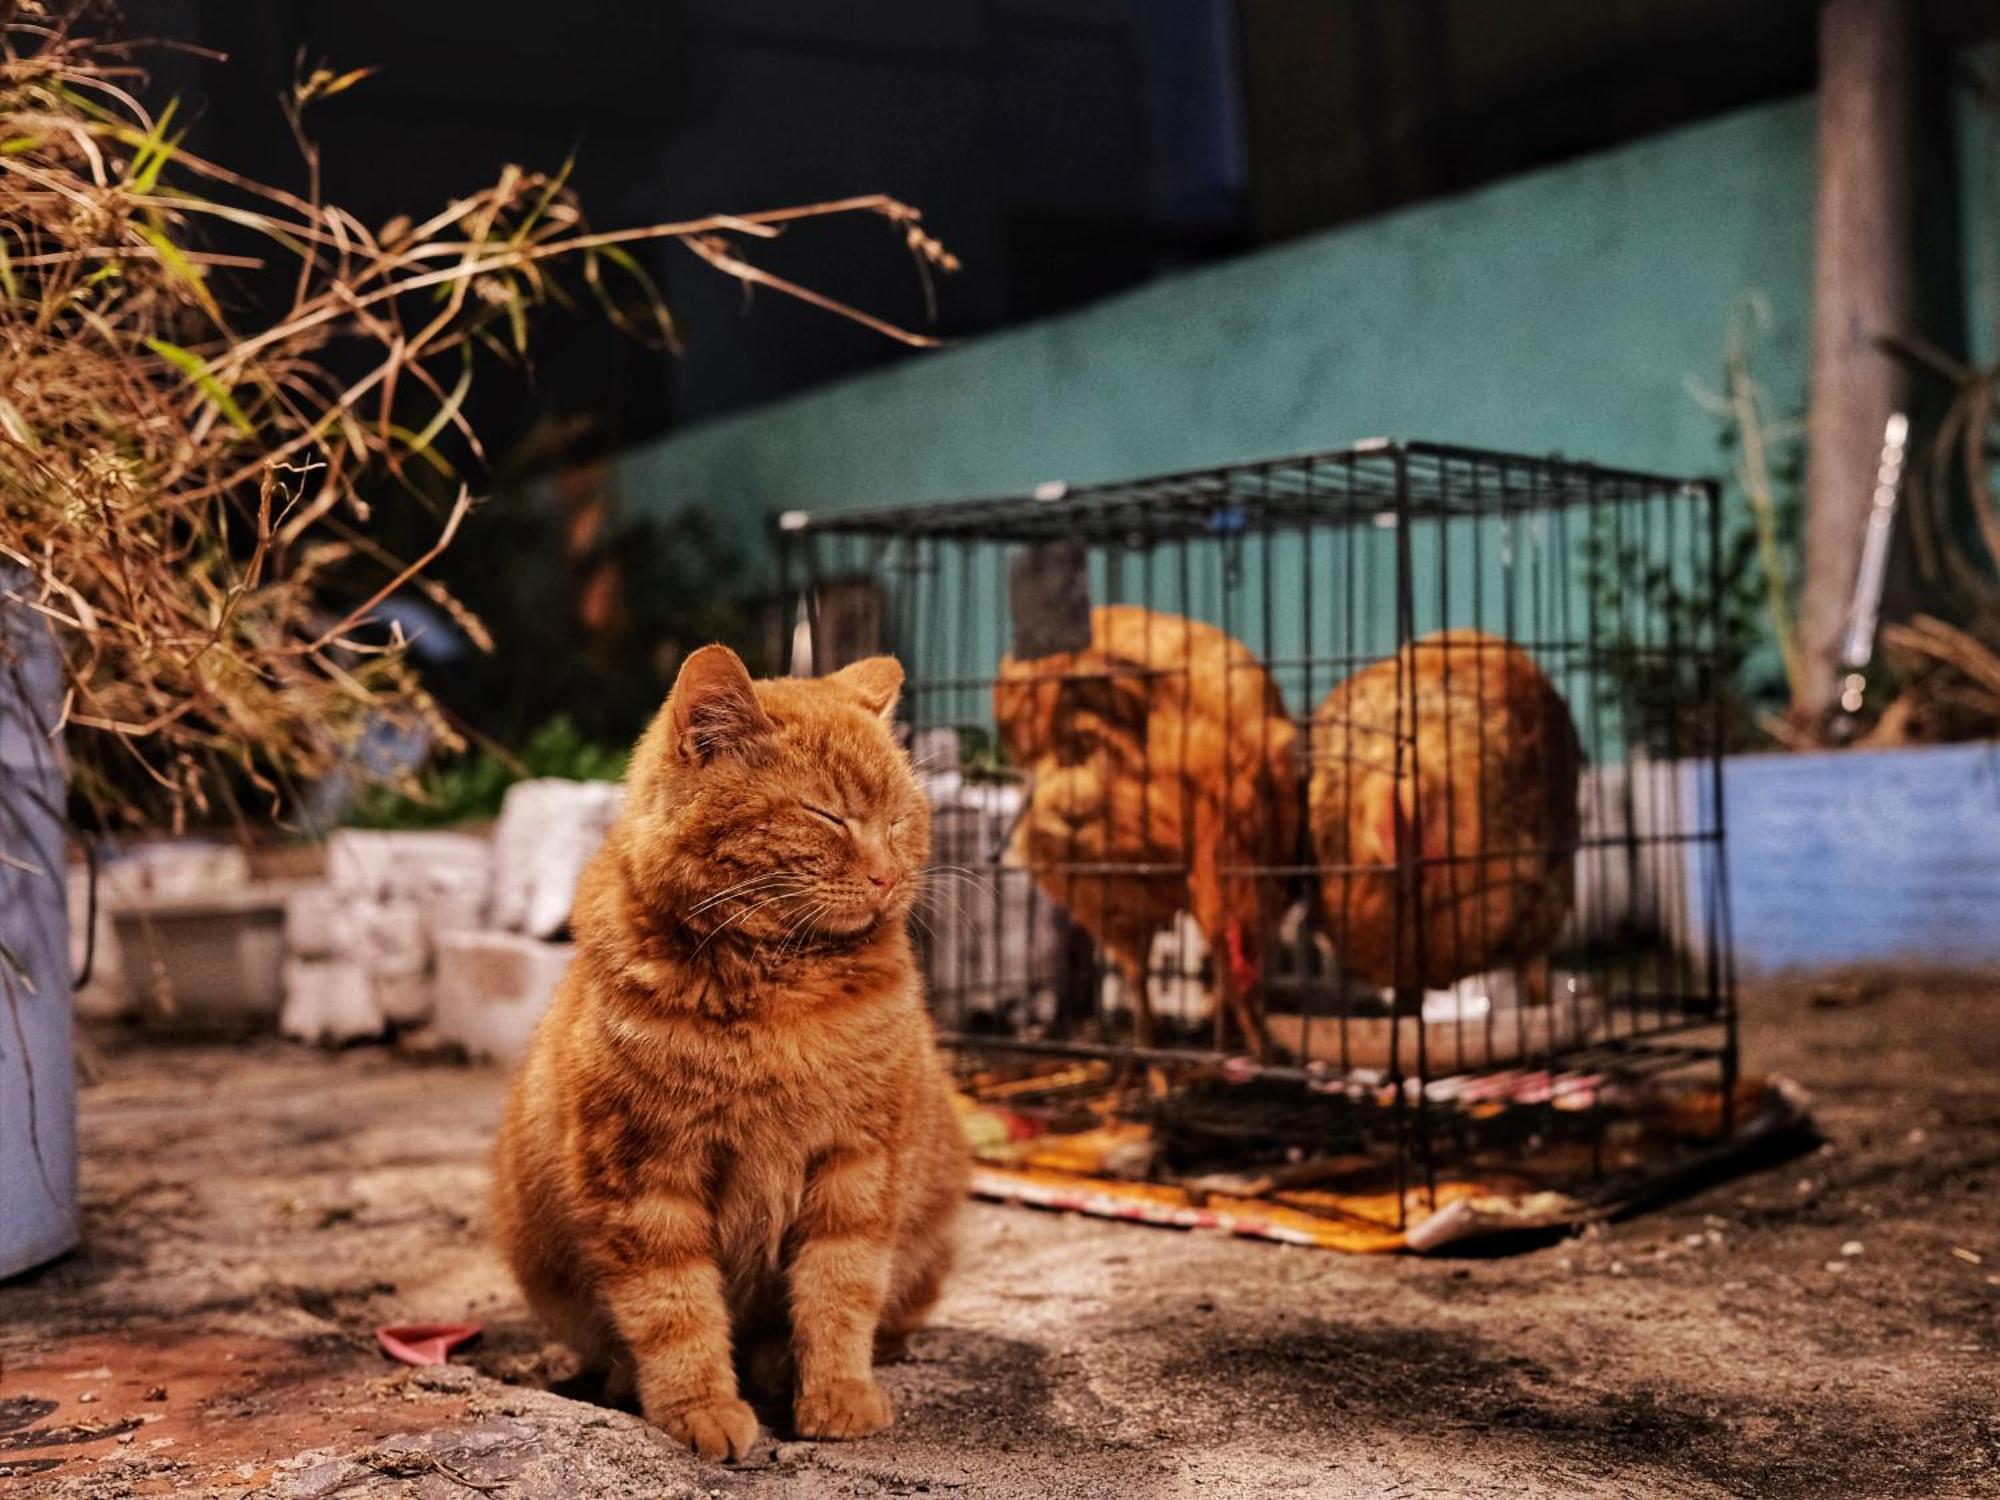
(1065, 149)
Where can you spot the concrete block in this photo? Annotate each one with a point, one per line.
(404, 999)
(492, 987)
(993, 943)
(1632, 868)
(329, 1001)
(384, 866)
(452, 911)
(548, 829)
(180, 870)
(214, 962)
(392, 937)
(319, 923)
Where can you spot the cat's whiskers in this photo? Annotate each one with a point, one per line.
(942, 892)
(729, 922)
(801, 928)
(741, 888)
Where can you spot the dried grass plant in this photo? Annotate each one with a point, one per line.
(1949, 668)
(185, 496)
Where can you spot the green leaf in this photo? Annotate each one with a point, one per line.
(82, 102)
(655, 304)
(548, 193)
(420, 449)
(422, 441)
(198, 371)
(517, 321)
(181, 268)
(154, 149)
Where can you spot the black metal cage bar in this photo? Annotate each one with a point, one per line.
(1390, 775)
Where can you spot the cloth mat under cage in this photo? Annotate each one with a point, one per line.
(1086, 1159)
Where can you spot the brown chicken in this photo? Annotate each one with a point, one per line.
(1476, 826)
(1163, 767)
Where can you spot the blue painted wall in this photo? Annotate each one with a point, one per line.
(1565, 310)
(1863, 856)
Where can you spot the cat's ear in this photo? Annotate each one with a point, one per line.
(713, 710)
(877, 681)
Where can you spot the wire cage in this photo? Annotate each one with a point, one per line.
(1358, 807)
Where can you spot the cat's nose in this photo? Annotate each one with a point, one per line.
(883, 880)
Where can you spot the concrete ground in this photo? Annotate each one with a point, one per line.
(1828, 1327)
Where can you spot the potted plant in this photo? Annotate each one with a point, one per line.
(189, 491)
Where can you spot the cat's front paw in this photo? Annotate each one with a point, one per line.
(717, 1429)
(842, 1409)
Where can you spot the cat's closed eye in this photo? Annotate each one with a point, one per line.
(820, 812)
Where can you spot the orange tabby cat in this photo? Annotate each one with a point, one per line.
(732, 1136)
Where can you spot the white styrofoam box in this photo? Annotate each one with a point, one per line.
(219, 960)
(384, 866)
(492, 987)
(177, 870)
(319, 923)
(1177, 986)
(548, 830)
(1632, 867)
(393, 937)
(329, 1000)
(404, 999)
(452, 911)
(992, 942)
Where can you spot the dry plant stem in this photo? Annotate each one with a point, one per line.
(1932, 639)
(192, 491)
(1754, 473)
(1961, 440)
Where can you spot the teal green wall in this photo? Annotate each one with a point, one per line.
(1560, 311)
(1976, 130)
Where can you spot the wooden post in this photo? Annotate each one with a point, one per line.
(1862, 291)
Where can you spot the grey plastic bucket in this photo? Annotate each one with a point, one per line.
(37, 1070)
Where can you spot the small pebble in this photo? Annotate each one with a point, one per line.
(157, 1393)
(1836, 1265)
(87, 1396)
(1852, 1247)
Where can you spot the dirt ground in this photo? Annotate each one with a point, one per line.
(1826, 1327)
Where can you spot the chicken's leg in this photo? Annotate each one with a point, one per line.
(1239, 984)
